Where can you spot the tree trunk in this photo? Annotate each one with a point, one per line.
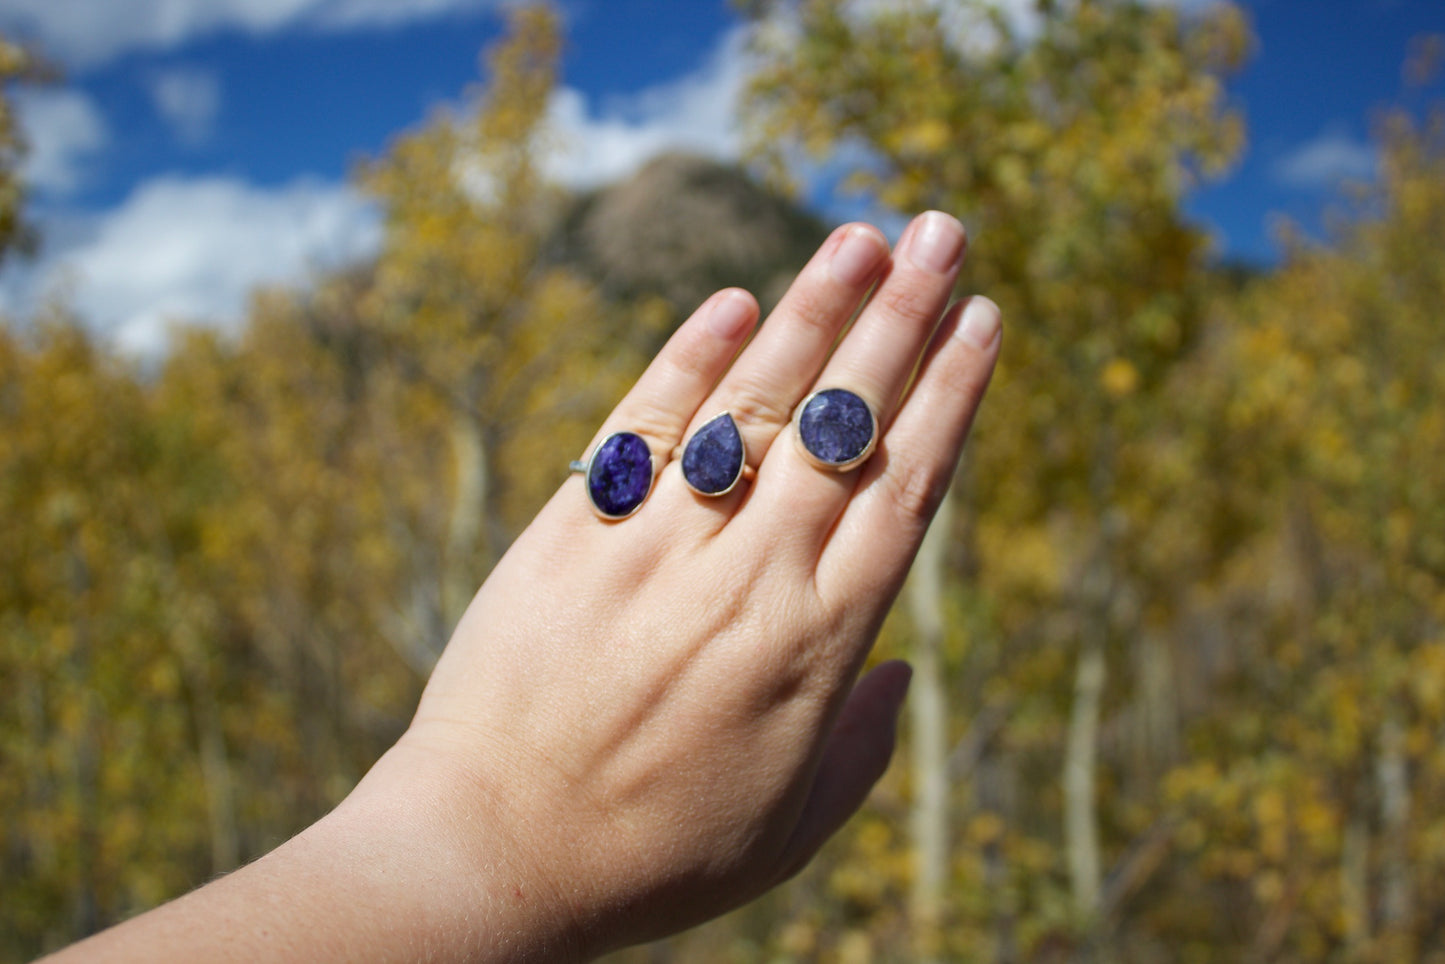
(465, 527)
(1081, 830)
(1397, 888)
(216, 773)
(1154, 729)
(87, 916)
(928, 702)
(1355, 885)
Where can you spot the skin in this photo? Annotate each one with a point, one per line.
(639, 725)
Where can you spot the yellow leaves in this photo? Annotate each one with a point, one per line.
(984, 828)
(859, 883)
(1011, 172)
(1024, 560)
(163, 680)
(1426, 679)
(1119, 378)
(799, 938)
(928, 137)
(855, 947)
(1271, 817)
(1269, 887)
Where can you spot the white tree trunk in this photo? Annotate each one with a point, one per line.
(1397, 886)
(928, 703)
(1081, 825)
(468, 516)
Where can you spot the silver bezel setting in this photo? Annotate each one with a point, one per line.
(585, 469)
(742, 467)
(819, 463)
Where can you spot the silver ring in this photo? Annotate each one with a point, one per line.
(618, 475)
(835, 429)
(715, 458)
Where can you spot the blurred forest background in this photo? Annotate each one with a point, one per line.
(1179, 633)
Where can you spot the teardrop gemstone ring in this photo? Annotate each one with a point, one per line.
(836, 429)
(715, 457)
(619, 475)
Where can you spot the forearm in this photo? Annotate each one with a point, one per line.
(394, 873)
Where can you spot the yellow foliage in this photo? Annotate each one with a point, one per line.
(1119, 378)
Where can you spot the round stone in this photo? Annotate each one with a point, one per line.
(712, 463)
(837, 428)
(620, 475)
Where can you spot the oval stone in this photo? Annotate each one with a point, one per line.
(836, 427)
(620, 475)
(712, 463)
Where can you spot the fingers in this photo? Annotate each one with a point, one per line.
(856, 756)
(875, 361)
(664, 398)
(778, 367)
(691, 382)
(883, 348)
(900, 489)
(659, 406)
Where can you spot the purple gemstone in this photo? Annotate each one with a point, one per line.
(836, 426)
(713, 459)
(620, 474)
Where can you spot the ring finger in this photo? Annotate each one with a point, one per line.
(874, 362)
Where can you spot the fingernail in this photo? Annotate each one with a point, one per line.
(980, 323)
(731, 315)
(936, 242)
(858, 256)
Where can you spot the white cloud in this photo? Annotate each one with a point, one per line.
(88, 32)
(1326, 160)
(188, 99)
(192, 251)
(64, 130)
(695, 113)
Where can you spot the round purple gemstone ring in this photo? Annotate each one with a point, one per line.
(836, 429)
(618, 475)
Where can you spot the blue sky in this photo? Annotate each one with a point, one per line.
(200, 147)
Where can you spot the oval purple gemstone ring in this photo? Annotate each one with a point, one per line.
(836, 429)
(619, 475)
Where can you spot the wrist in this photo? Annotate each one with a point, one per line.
(436, 863)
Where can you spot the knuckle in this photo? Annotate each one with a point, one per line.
(908, 301)
(915, 493)
(812, 307)
(753, 408)
(690, 360)
(660, 429)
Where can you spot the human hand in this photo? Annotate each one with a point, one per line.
(650, 721)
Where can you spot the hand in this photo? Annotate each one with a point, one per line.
(664, 706)
(640, 724)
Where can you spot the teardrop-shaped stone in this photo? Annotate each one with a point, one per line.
(620, 474)
(713, 459)
(836, 426)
